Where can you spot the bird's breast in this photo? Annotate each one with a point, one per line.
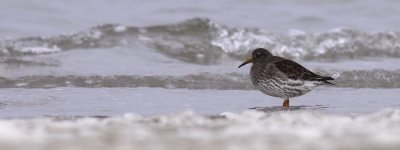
(274, 83)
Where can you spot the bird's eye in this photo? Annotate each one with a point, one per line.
(258, 54)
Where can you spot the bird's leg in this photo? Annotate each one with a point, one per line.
(286, 103)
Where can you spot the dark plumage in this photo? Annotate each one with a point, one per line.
(281, 77)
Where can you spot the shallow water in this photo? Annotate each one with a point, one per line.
(151, 75)
(17, 102)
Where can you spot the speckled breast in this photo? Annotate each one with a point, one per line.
(275, 83)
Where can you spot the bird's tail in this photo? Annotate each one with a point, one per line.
(324, 80)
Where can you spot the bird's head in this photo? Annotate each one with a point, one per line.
(257, 55)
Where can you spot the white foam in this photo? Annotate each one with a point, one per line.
(120, 28)
(279, 130)
(96, 34)
(40, 50)
(239, 40)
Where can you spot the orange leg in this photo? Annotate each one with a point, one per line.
(286, 103)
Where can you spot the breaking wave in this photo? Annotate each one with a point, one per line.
(377, 78)
(202, 41)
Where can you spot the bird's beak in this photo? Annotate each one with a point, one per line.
(246, 62)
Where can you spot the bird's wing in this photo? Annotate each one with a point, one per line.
(295, 71)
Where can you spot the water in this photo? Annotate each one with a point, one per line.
(125, 72)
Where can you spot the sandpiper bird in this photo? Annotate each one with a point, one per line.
(281, 77)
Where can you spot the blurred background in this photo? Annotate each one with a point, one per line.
(44, 18)
(141, 65)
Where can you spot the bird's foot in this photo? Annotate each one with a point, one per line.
(286, 103)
